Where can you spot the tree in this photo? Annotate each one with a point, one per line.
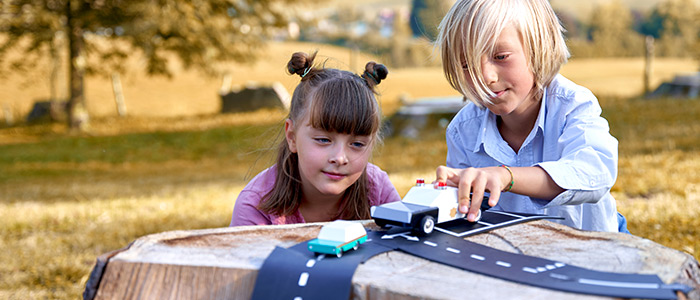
(426, 16)
(200, 33)
(611, 31)
(679, 34)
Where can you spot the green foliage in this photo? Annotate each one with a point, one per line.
(426, 15)
(616, 31)
(611, 31)
(681, 28)
(199, 33)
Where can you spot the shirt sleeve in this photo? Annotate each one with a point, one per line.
(456, 155)
(245, 211)
(587, 167)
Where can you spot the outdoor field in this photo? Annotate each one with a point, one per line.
(174, 163)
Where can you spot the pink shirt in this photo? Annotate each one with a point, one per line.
(246, 212)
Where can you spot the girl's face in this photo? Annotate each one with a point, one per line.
(329, 162)
(506, 73)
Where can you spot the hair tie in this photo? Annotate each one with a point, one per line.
(306, 71)
(368, 74)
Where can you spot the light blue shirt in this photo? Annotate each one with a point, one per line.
(570, 141)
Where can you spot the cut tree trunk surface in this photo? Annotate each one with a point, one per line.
(223, 264)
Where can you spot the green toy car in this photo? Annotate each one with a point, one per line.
(337, 237)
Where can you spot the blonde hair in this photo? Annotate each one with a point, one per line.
(335, 101)
(470, 30)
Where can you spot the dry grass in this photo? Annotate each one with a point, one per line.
(175, 164)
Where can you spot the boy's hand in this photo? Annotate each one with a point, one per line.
(474, 181)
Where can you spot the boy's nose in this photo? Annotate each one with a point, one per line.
(488, 71)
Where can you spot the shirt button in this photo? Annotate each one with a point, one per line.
(592, 182)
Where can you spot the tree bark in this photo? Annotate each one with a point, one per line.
(78, 118)
(223, 264)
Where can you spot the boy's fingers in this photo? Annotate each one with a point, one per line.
(474, 209)
(495, 195)
(465, 189)
(477, 195)
(442, 174)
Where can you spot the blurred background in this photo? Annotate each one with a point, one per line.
(122, 118)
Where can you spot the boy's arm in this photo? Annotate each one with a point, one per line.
(587, 166)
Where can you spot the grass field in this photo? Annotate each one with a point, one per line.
(175, 164)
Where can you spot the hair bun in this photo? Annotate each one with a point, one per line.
(300, 63)
(375, 72)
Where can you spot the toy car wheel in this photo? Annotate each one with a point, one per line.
(339, 254)
(356, 246)
(381, 223)
(478, 216)
(427, 224)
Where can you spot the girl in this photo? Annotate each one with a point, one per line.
(322, 171)
(530, 137)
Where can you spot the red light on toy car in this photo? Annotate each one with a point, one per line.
(441, 185)
(420, 182)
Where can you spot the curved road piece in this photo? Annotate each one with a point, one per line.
(297, 274)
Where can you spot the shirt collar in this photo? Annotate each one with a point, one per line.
(488, 120)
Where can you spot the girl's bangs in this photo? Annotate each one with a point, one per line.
(344, 106)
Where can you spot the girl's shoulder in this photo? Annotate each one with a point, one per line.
(381, 190)
(374, 172)
(263, 182)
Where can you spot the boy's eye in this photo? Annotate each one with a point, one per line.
(322, 140)
(501, 57)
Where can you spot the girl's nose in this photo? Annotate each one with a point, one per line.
(339, 156)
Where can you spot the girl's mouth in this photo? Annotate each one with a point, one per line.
(499, 93)
(334, 176)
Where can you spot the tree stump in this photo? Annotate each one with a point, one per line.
(223, 264)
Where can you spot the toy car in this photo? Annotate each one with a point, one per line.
(337, 237)
(422, 207)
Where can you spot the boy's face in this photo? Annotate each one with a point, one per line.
(507, 75)
(329, 162)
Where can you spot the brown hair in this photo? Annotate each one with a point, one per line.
(335, 101)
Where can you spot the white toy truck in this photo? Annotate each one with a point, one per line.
(422, 207)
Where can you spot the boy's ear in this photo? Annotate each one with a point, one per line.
(290, 135)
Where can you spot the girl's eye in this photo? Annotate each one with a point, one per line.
(322, 140)
(358, 144)
(501, 57)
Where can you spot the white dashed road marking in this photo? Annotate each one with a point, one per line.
(453, 250)
(310, 263)
(430, 243)
(503, 264)
(303, 279)
(477, 257)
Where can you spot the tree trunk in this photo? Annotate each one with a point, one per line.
(78, 118)
(223, 264)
